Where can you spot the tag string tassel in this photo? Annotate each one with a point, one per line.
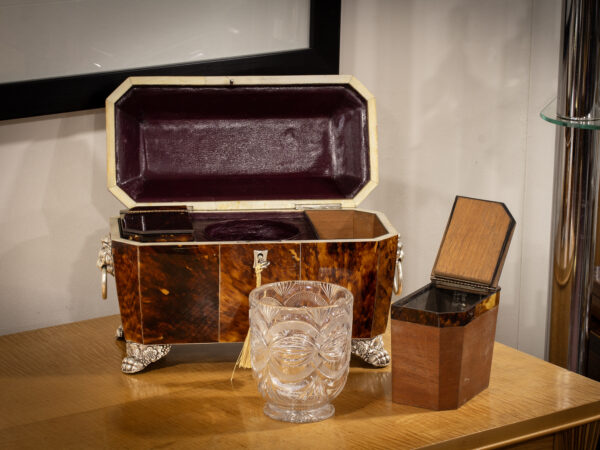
(244, 360)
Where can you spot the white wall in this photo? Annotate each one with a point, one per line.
(459, 84)
(53, 211)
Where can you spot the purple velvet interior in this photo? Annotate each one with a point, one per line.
(260, 226)
(250, 230)
(206, 143)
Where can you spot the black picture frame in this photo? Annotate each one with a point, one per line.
(89, 91)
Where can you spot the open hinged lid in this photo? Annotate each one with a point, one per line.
(241, 142)
(474, 246)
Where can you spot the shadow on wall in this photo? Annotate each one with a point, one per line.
(52, 219)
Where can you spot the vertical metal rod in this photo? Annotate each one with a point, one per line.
(576, 185)
(579, 65)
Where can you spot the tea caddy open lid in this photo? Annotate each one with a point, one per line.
(474, 246)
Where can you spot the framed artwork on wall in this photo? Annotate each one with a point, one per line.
(70, 56)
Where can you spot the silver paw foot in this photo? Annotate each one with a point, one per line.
(119, 333)
(140, 355)
(371, 351)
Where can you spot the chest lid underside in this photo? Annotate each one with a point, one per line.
(218, 143)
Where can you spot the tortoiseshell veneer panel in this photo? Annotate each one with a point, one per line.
(386, 265)
(349, 264)
(196, 292)
(199, 293)
(436, 307)
(125, 258)
(238, 279)
(179, 287)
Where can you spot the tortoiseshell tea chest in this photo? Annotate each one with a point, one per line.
(228, 179)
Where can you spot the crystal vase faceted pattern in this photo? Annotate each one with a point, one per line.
(300, 346)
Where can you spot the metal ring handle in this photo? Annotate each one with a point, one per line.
(104, 282)
(398, 277)
(105, 263)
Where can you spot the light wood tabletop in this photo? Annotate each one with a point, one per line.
(61, 387)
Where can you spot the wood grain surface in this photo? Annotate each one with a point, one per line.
(62, 388)
(475, 243)
(441, 367)
(346, 224)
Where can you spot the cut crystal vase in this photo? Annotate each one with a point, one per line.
(300, 347)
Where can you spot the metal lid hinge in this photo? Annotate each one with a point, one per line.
(315, 206)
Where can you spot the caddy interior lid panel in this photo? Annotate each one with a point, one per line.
(244, 142)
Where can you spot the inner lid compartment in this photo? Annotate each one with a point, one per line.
(209, 143)
(250, 226)
(158, 220)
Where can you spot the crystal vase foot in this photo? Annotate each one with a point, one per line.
(299, 415)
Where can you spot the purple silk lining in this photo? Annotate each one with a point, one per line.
(206, 143)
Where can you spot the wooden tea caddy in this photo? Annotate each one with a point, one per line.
(225, 177)
(443, 334)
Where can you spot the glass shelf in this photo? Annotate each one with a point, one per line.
(549, 114)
